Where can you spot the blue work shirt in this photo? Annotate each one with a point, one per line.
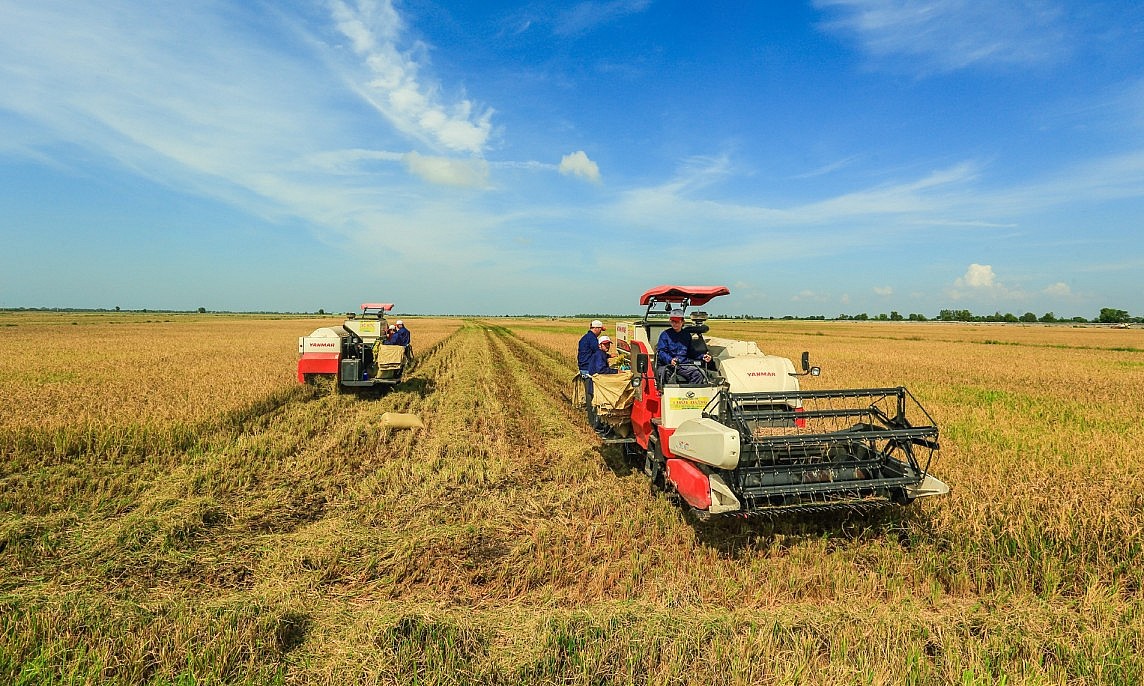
(673, 345)
(598, 363)
(589, 346)
(399, 337)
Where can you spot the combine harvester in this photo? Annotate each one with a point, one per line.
(749, 440)
(353, 353)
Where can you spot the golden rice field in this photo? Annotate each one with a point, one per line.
(175, 509)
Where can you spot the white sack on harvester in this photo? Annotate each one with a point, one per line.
(398, 420)
(612, 398)
(388, 356)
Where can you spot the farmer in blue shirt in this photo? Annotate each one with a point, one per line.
(589, 346)
(598, 364)
(400, 336)
(674, 349)
(586, 352)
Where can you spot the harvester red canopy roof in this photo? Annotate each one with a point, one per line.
(698, 295)
(377, 306)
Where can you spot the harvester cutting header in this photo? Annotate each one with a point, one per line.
(355, 353)
(735, 433)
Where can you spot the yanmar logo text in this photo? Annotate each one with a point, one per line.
(323, 345)
(761, 374)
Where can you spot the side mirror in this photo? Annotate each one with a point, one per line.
(806, 368)
(641, 363)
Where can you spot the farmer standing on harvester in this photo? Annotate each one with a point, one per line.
(587, 350)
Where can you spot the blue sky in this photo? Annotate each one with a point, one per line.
(818, 158)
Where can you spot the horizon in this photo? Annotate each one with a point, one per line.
(969, 317)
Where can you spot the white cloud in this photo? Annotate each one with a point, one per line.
(1059, 288)
(883, 290)
(445, 171)
(978, 276)
(578, 164)
(979, 280)
(395, 86)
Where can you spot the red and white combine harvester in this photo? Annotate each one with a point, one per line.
(354, 353)
(748, 440)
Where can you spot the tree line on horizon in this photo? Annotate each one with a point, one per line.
(1108, 315)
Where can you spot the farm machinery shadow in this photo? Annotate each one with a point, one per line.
(734, 537)
(618, 461)
(420, 386)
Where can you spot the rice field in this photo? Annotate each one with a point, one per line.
(175, 509)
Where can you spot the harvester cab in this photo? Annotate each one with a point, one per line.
(746, 439)
(355, 353)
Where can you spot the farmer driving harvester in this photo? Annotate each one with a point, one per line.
(675, 353)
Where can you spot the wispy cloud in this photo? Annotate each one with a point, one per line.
(827, 168)
(807, 295)
(234, 120)
(395, 85)
(948, 35)
(585, 16)
(961, 196)
(144, 91)
(447, 171)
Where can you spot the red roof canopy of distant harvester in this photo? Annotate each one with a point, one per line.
(376, 306)
(697, 295)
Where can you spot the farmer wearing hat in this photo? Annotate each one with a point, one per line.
(586, 353)
(674, 351)
(599, 362)
(599, 365)
(401, 335)
(589, 346)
